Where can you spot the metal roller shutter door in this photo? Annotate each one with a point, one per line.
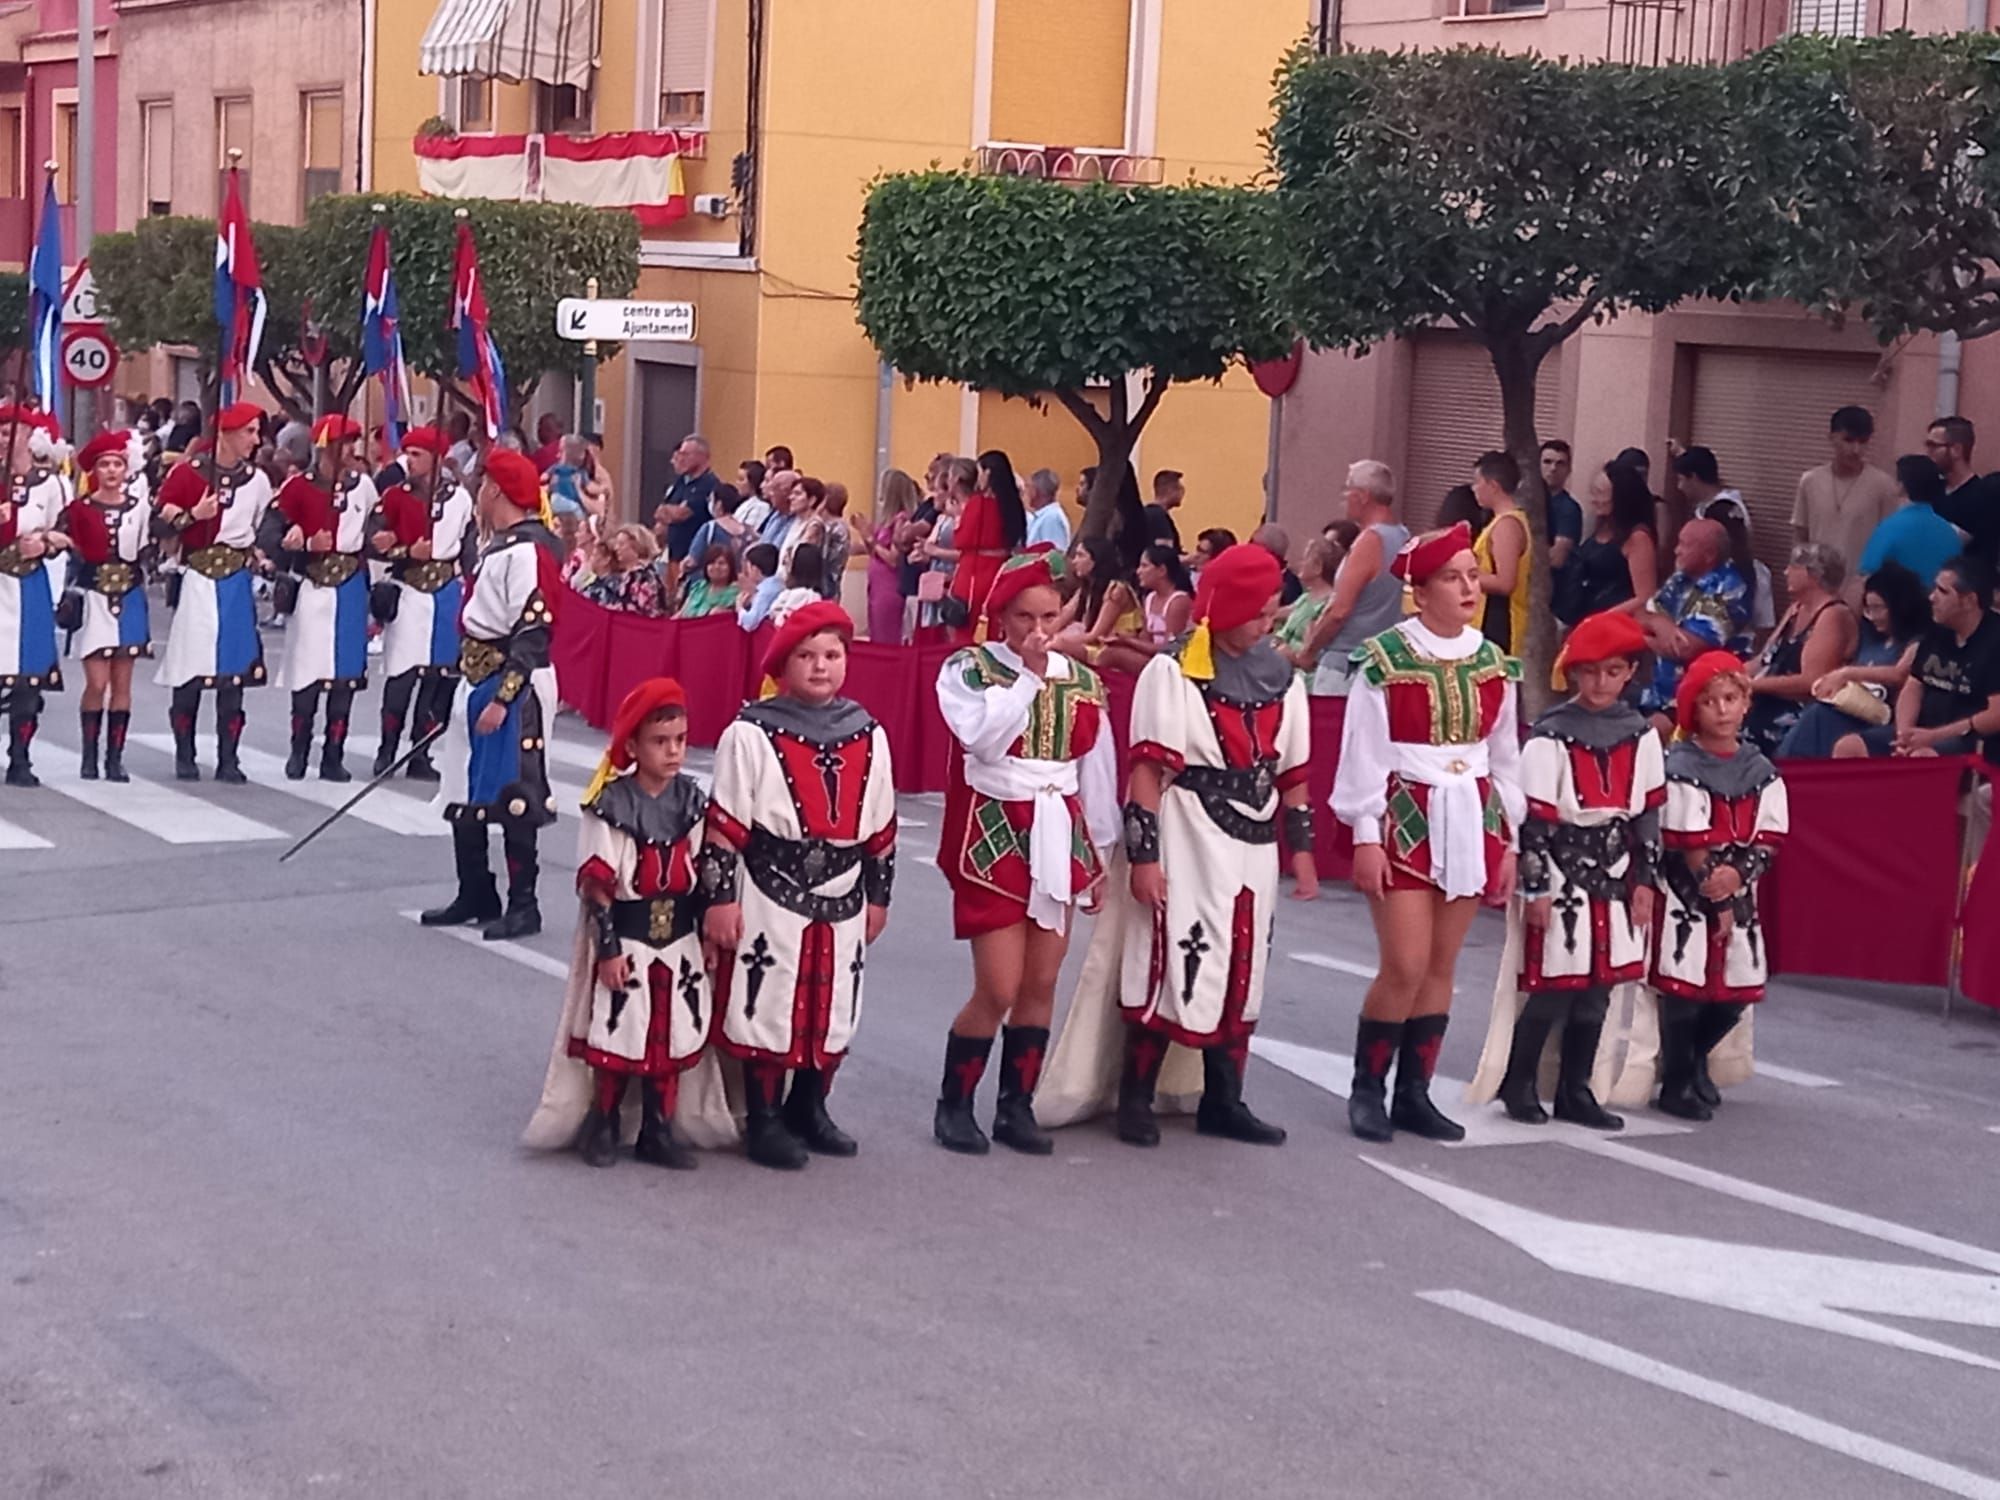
(1764, 412)
(1455, 417)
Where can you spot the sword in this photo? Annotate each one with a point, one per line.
(346, 807)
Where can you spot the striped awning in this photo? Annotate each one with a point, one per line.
(546, 41)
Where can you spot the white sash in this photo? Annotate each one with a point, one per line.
(1047, 783)
(1455, 812)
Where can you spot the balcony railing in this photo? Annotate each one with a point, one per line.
(1070, 164)
(1651, 32)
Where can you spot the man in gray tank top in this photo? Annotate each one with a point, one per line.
(1367, 598)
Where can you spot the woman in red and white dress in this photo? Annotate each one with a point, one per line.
(1430, 782)
(1031, 806)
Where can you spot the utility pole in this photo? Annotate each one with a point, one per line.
(83, 178)
(586, 385)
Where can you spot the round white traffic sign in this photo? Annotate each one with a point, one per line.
(89, 358)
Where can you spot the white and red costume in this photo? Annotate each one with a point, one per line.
(419, 602)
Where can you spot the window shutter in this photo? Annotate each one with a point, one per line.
(685, 30)
(1059, 72)
(159, 153)
(1455, 416)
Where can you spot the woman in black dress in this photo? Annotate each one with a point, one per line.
(1619, 560)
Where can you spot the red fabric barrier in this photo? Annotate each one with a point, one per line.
(886, 681)
(579, 648)
(639, 649)
(1866, 884)
(1333, 841)
(714, 660)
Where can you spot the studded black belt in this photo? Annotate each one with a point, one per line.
(786, 870)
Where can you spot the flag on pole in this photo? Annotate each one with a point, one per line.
(239, 292)
(382, 337)
(478, 356)
(45, 296)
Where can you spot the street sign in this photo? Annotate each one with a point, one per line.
(89, 358)
(79, 305)
(620, 321)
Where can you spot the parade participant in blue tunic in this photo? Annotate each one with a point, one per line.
(326, 639)
(31, 513)
(423, 532)
(108, 526)
(213, 510)
(493, 761)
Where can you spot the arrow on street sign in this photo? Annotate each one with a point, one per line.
(1790, 1286)
(620, 320)
(79, 304)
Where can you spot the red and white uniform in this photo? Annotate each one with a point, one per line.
(806, 795)
(1234, 744)
(1430, 757)
(424, 634)
(326, 637)
(1732, 809)
(1031, 788)
(108, 542)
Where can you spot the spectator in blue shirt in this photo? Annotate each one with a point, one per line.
(1915, 535)
(1565, 522)
(1046, 520)
(1704, 606)
(757, 585)
(566, 478)
(684, 510)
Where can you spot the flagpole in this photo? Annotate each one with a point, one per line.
(83, 413)
(27, 347)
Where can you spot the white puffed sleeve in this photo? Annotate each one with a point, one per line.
(985, 719)
(1361, 780)
(1503, 754)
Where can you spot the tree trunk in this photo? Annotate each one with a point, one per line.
(1115, 435)
(1517, 362)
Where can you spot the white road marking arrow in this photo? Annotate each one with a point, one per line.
(1791, 1286)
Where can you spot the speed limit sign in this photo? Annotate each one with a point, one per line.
(89, 357)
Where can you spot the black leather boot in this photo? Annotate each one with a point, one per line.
(305, 704)
(1145, 1052)
(1411, 1108)
(116, 728)
(657, 1144)
(1520, 1089)
(1575, 1103)
(954, 1123)
(523, 917)
(1712, 1023)
(597, 1142)
(1375, 1044)
(333, 749)
(20, 733)
(395, 713)
(1677, 1059)
(93, 728)
(228, 735)
(433, 708)
(766, 1140)
(806, 1116)
(478, 898)
(1222, 1110)
(1022, 1049)
(187, 697)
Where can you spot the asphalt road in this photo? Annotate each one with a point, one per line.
(265, 1230)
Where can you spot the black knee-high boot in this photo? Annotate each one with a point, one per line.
(523, 917)
(434, 696)
(1022, 1049)
(1575, 1102)
(93, 729)
(478, 898)
(1375, 1044)
(333, 750)
(228, 734)
(1520, 1089)
(806, 1116)
(657, 1142)
(396, 694)
(115, 728)
(24, 712)
(1222, 1110)
(1145, 1053)
(1677, 1061)
(305, 708)
(1712, 1023)
(186, 700)
(1410, 1108)
(766, 1139)
(955, 1124)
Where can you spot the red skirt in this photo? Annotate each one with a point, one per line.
(983, 852)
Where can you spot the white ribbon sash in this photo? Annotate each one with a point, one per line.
(1047, 783)
(1454, 809)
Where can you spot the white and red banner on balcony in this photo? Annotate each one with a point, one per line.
(639, 170)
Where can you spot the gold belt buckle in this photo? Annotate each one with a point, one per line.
(660, 920)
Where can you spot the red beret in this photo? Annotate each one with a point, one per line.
(645, 700)
(103, 446)
(424, 439)
(242, 414)
(1604, 636)
(516, 476)
(48, 421)
(800, 625)
(1236, 586)
(1703, 670)
(1036, 567)
(334, 429)
(1424, 555)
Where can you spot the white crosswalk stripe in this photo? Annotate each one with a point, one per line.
(13, 836)
(390, 809)
(169, 814)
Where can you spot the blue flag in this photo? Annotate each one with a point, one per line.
(45, 299)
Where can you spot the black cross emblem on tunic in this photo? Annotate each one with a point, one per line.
(618, 998)
(827, 762)
(1569, 903)
(691, 990)
(1683, 930)
(854, 995)
(1746, 918)
(1192, 946)
(757, 958)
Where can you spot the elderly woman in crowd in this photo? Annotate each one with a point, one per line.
(1704, 606)
(713, 589)
(1817, 634)
(1894, 612)
(634, 583)
(1316, 572)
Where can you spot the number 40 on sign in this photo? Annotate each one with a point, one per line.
(89, 358)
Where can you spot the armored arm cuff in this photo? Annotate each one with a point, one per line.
(1645, 847)
(1681, 879)
(1299, 829)
(527, 651)
(715, 871)
(608, 945)
(1142, 834)
(1533, 868)
(878, 876)
(176, 519)
(1752, 862)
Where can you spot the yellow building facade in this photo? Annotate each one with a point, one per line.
(841, 92)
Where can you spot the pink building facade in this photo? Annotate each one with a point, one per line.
(38, 101)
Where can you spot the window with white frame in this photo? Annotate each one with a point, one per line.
(472, 103)
(687, 29)
(156, 157)
(321, 147)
